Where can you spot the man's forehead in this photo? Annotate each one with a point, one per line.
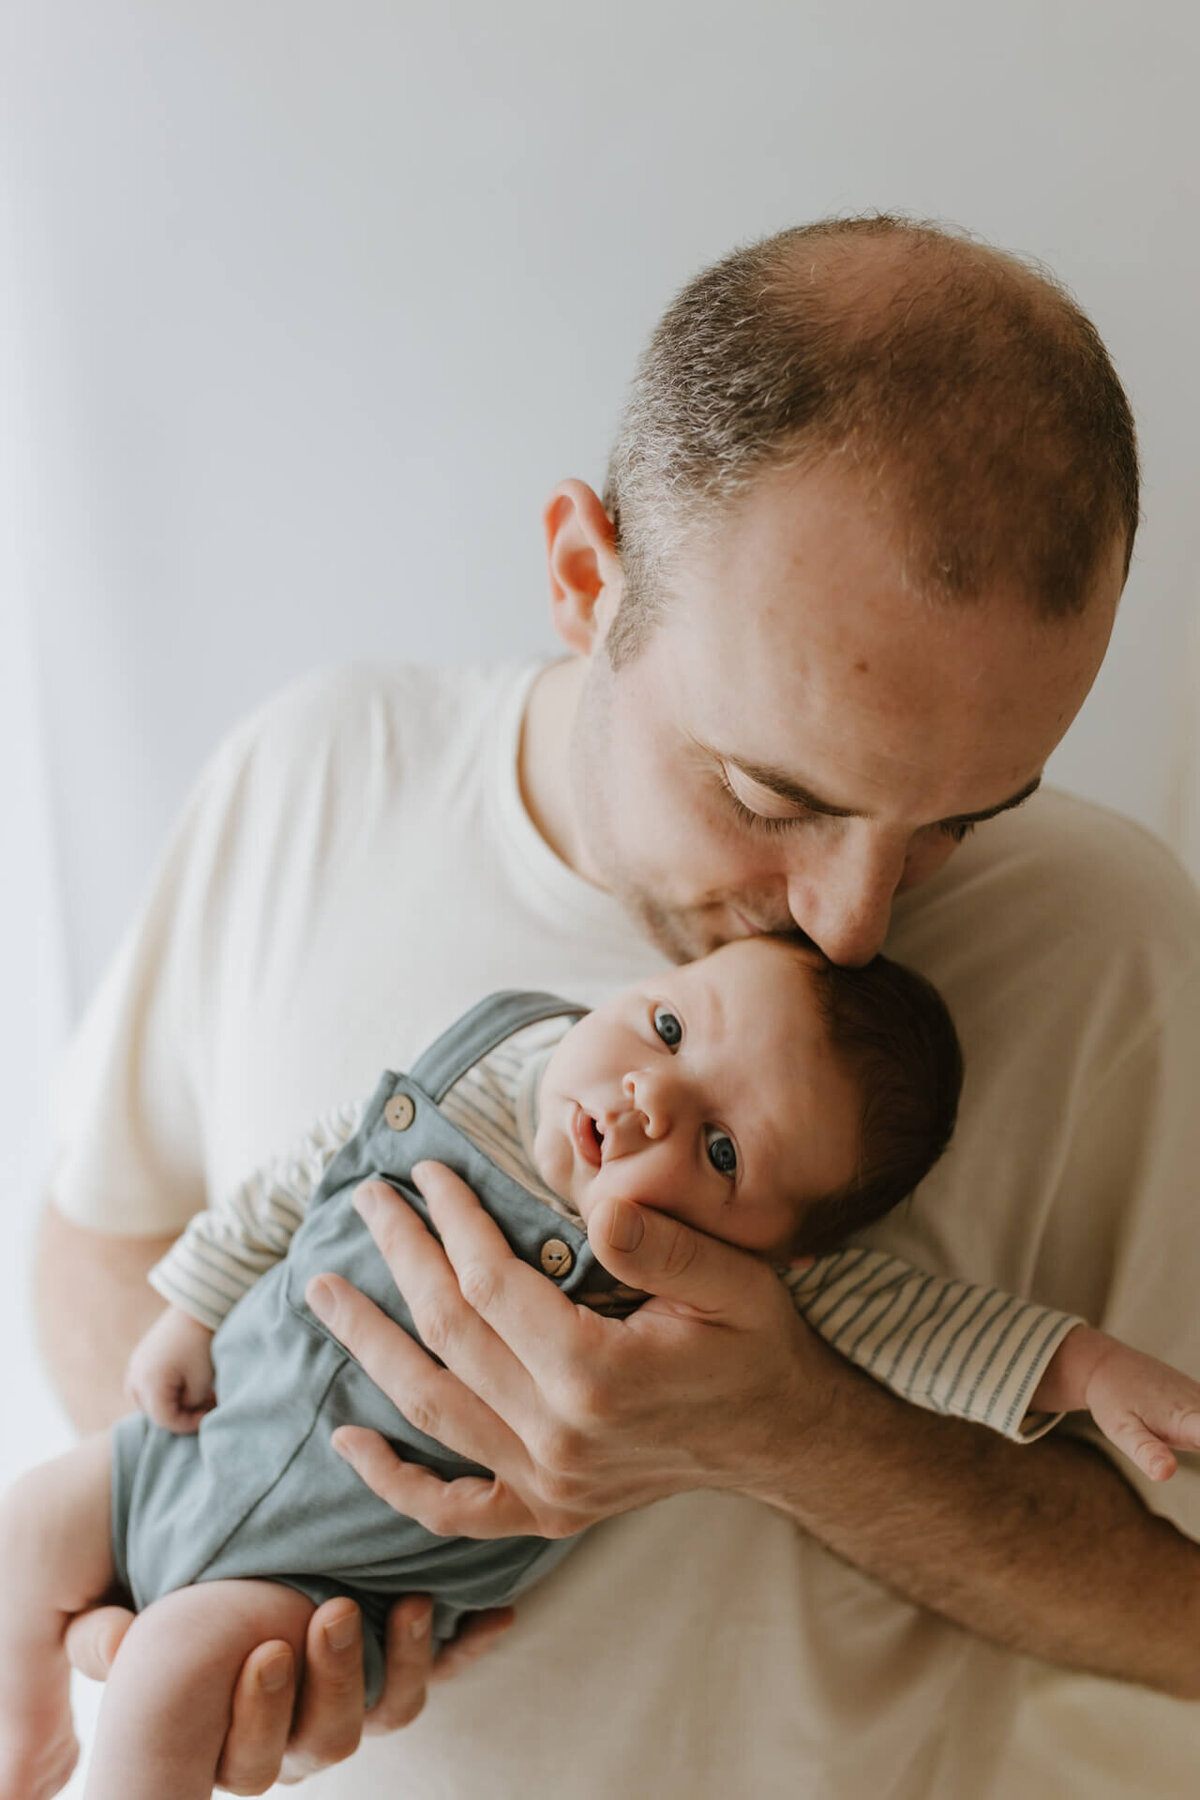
(929, 712)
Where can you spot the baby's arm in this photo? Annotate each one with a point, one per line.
(987, 1356)
(226, 1248)
(946, 1345)
(1140, 1404)
(220, 1256)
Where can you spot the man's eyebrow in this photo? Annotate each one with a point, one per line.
(991, 812)
(794, 792)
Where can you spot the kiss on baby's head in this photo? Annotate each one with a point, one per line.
(761, 1094)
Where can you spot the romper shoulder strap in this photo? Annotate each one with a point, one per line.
(462, 1044)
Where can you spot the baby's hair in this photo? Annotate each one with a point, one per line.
(893, 1033)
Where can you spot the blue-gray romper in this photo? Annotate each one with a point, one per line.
(259, 1490)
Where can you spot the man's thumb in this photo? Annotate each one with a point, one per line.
(648, 1249)
(93, 1639)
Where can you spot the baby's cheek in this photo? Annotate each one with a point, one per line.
(652, 1182)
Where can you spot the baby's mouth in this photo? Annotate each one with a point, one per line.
(589, 1139)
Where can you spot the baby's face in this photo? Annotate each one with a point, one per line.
(709, 1092)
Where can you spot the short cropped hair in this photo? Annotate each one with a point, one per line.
(964, 386)
(892, 1032)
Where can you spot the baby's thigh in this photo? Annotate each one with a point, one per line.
(197, 1638)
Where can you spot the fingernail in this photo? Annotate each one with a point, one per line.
(627, 1228)
(418, 1627)
(342, 1633)
(365, 1200)
(320, 1297)
(276, 1674)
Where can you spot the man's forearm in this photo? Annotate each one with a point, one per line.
(1044, 1549)
(92, 1303)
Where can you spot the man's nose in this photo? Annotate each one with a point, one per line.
(842, 896)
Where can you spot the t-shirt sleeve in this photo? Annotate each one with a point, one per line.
(1067, 946)
(947, 1345)
(1135, 1168)
(227, 1247)
(125, 1108)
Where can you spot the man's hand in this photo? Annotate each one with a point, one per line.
(579, 1416)
(271, 1737)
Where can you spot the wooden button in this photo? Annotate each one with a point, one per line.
(556, 1258)
(400, 1112)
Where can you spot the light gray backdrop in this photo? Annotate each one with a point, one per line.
(304, 307)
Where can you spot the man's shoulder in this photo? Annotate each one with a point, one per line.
(1062, 878)
(351, 718)
(366, 698)
(1096, 869)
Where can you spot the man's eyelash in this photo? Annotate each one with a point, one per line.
(954, 829)
(745, 815)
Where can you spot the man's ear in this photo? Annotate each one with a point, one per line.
(584, 568)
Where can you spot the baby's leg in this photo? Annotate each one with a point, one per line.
(168, 1701)
(55, 1559)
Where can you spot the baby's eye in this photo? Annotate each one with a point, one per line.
(668, 1027)
(722, 1153)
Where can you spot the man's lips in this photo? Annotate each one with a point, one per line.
(787, 928)
(585, 1137)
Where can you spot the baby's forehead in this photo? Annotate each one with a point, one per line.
(763, 982)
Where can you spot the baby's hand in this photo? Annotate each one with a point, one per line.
(170, 1374)
(1140, 1404)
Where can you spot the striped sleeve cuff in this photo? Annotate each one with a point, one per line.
(945, 1345)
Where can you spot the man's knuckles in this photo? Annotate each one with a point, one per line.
(422, 1410)
(395, 1711)
(671, 1248)
(479, 1285)
(439, 1319)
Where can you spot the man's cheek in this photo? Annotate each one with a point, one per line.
(925, 859)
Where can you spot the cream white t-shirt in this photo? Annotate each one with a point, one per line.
(353, 870)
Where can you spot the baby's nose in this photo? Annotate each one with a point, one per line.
(651, 1097)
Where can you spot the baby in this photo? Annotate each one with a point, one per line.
(759, 1095)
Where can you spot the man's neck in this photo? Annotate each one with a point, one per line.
(544, 757)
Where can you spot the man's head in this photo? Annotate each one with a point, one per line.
(762, 1095)
(866, 524)
(974, 401)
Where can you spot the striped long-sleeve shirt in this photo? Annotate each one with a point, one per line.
(943, 1344)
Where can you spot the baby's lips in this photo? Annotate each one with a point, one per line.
(583, 1136)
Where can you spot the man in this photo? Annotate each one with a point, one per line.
(867, 523)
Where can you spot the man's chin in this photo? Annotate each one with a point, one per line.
(683, 936)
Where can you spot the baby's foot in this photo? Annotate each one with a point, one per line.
(38, 1747)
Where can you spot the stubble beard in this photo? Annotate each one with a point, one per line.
(683, 933)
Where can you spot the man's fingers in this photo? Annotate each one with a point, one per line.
(476, 1636)
(260, 1721)
(329, 1718)
(408, 1667)
(650, 1250)
(431, 1398)
(499, 1304)
(467, 1291)
(471, 1506)
(93, 1639)
(411, 1665)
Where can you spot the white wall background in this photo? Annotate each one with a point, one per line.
(305, 305)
